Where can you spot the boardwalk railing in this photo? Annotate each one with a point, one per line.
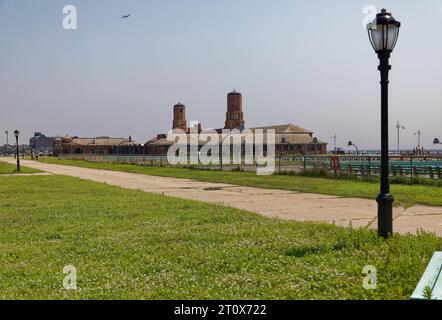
(369, 166)
(359, 166)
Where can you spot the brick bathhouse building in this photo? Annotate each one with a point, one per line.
(289, 138)
(96, 146)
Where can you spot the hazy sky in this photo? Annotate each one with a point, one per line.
(305, 62)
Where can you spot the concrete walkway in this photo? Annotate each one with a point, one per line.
(268, 202)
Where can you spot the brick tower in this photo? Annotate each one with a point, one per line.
(234, 115)
(179, 117)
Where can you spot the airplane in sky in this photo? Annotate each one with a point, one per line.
(125, 16)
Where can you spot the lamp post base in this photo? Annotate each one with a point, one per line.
(385, 214)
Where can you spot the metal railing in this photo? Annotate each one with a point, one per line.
(350, 165)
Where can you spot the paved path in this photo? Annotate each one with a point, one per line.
(268, 202)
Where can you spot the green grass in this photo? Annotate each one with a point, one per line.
(404, 194)
(6, 168)
(132, 245)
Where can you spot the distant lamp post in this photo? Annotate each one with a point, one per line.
(399, 127)
(351, 144)
(334, 143)
(436, 141)
(383, 33)
(16, 134)
(418, 134)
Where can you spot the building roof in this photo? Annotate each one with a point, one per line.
(234, 93)
(285, 128)
(279, 139)
(101, 141)
(284, 134)
(301, 138)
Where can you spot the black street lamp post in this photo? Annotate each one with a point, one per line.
(383, 33)
(350, 144)
(16, 134)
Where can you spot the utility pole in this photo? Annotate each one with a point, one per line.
(399, 127)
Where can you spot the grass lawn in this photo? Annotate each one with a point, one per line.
(404, 194)
(132, 245)
(6, 168)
